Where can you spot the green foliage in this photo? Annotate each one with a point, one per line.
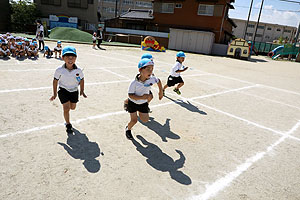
(280, 40)
(23, 12)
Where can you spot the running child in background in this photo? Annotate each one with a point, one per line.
(58, 49)
(68, 77)
(139, 94)
(175, 77)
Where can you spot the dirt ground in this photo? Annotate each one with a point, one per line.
(233, 133)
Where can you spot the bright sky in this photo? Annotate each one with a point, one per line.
(274, 11)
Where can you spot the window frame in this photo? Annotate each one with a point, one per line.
(206, 11)
(166, 11)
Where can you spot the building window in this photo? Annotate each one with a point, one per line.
(207, 10)
(258, 35)
(74, 3)
(178, 5)
(109, 9)
(143, 4)
(249, 34)
(167, 8)
(278, 29)
(287, 31)
(128, 2)
(90, 1)
(260, 27)
(269, 28)
(267, 37)
(251, 26)
(51, 2)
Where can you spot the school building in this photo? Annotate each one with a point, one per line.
(266, 32)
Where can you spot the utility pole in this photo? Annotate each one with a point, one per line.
(116, 9)
(248, 19)
(252, 43)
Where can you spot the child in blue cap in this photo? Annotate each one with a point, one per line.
(149, 56)
(175, 77)
(19, 52)
(139, 94)
(48, 52)
(58, 49)
(68, 77)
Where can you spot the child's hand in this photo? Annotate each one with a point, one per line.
(185, 68)
(160, 95)
(83, 94)
(53, 97)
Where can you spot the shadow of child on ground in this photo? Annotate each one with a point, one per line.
(187, 105)
(162, 130)
(161, 161)
(79, 147)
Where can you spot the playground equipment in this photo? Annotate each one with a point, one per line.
(239, 48)
(150, 44)
(284, 50)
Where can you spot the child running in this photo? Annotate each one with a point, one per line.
(175, 77)
(68, 77)
(149, 56)
(139, 94)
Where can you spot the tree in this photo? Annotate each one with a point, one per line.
(23, 13)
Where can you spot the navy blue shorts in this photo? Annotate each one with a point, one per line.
(65, 96)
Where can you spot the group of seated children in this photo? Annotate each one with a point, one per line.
(17, 46)
(21, 47)
(57, 50)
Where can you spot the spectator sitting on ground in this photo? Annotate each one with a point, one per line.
(4, 50)
(48, 53)
(58, 49)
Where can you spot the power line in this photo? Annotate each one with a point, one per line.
(290, 1)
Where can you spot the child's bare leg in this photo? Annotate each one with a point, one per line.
(55, 54)
(144, 117)
(179, 85)
(59, 53)
(72, 106)
(150, 98)
(133, 120)
(66, 107)
(165, 87)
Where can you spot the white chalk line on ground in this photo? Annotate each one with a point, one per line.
(222, 76)
(220, 184)
(231, 115)
(43, 88)
(53, 69)
(245, 93)
(81, 120)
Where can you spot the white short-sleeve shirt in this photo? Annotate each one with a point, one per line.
(5, 51)
(140, 88)
(58, 48)
(68, 79)
(177, 66)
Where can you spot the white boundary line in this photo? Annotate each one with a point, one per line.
(220, 184)
(231, 115)
(245, 93)
(43, 88)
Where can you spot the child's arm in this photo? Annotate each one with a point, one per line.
(55, 81)
(178, 71)
(160, 93)
(135, 97)
(82, 88)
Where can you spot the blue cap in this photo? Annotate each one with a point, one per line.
(147, 55)
(31, 44)
(46, 48)
(19, 43)
(180, 54)
(26, 40)
(69, 49)
(145, 62)
(58, 42)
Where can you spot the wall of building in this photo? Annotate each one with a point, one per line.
(107, 7)
(265, 32)
(187, 17)
(86, 14)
